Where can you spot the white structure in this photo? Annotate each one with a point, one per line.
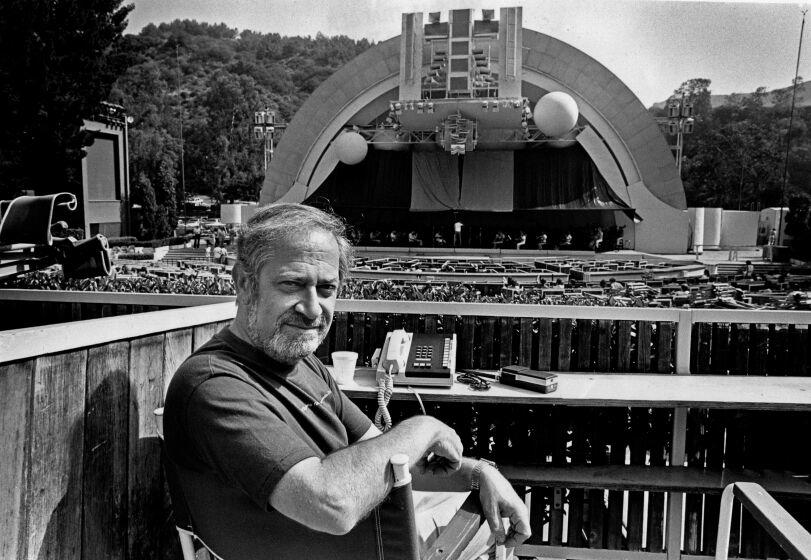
(715, 228)
(237, 214)
(770, 218)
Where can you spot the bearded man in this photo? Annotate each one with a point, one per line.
(273, 460)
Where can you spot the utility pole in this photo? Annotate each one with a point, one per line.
(182, 147)
(788, 135)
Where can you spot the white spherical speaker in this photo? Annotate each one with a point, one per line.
(555, 113)
(351, 148)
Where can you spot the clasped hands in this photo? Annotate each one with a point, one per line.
(497, 497)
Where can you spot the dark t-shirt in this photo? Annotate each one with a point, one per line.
(234, 422)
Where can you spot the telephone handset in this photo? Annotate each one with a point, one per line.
(419, 359)
(394, 358)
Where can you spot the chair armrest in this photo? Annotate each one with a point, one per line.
(459, 532)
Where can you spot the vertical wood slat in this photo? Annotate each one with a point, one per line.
(16, 387)
(715, 460)
(703, 348)
(604, 332)
(584, 344)
(146, 499)
(359, 336)
(664, 346)
(758, 349)
(525, 342)
(545, 343)
(696, 454)
(740, 341)
(488, 334)
(466, 358)
(105, 458)
(576, 523)
(618, 439)
(639, 419)
(797, 351)
(559, 448)
(56, 456)
(720, 349)
(341, 331)
(505, 346)
(565, 344)
(595, 498)
(377, 335)
(657, 441)
(624, 329)
(177, 347)
(411, 323)
(643, 346)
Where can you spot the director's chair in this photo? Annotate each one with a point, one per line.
(395, 538)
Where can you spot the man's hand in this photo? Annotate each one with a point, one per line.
(499, 500)
(445, 453)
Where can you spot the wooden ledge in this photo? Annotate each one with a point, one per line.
(624, 390)
(658, 478)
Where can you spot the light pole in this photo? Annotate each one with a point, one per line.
(265, 126)
(679, 121)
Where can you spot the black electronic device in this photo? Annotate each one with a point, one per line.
(419, 359)
(532, 379)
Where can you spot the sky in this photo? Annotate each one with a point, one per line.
(651, 45)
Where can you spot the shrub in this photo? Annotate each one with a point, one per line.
(133, 242)
(134, 256)
(122, 241)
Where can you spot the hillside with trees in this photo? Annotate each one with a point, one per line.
(735, 157)
(192, 89)
(203, 83)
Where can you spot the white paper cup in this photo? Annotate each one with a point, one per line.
(343, 366)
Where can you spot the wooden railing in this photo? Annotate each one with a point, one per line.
(79, 440)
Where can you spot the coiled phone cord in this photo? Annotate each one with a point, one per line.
(385, 387)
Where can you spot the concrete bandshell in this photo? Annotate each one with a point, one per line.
(360, 89)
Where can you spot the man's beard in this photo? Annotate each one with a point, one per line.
(284, 345)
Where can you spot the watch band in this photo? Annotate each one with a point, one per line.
(476, 473)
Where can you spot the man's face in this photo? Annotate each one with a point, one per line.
(294, 298)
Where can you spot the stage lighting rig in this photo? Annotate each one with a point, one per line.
(678, 122)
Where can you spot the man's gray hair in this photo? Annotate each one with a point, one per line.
(276, 223)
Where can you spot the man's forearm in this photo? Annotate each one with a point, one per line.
(360, 473)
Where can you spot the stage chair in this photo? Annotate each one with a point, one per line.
(397, 534)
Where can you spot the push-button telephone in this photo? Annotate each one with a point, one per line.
(419, 359)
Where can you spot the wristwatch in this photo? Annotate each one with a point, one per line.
(476, 473)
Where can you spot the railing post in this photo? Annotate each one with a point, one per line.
(724, 524)
(675, 500)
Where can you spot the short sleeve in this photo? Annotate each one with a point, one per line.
(352, 417)
(237, 433)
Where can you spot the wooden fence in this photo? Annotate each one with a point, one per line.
(81, 477)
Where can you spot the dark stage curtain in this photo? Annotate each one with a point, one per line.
(486, 181)
(381, 180)
(561, 179)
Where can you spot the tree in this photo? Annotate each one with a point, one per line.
(57, 63)
(154, 156)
